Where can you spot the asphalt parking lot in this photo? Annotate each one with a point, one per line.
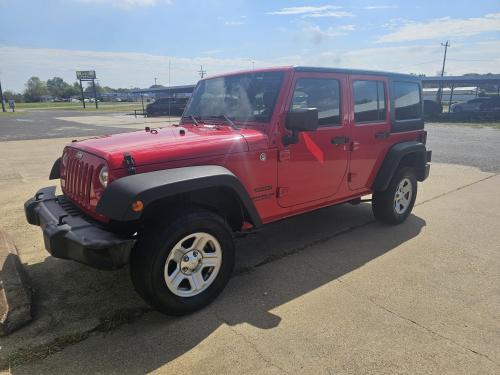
(331, 291)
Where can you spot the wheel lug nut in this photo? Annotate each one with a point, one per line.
(184, 269)
(195, 253)
(186, 258)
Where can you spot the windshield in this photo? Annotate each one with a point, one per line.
(244, 97)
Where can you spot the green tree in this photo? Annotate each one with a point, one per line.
(57, 87)
(35, 90)
(72, 90)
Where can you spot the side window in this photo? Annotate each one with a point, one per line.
(407, 101)
(369, 101)
(323, 94)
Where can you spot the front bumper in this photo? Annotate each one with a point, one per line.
(68, 234)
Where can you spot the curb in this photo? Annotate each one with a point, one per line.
(15, 290)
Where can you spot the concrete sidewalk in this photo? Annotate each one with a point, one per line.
(419, 298)
(329, 290)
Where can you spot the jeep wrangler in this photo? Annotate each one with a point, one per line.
(251, 148)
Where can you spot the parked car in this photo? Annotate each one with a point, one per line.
(473, 105)
(251, 148)
(166, 106)
(492, 105)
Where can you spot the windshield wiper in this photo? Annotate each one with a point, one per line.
(192, 118)
(228, 120)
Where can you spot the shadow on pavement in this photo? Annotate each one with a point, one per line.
(286, 260)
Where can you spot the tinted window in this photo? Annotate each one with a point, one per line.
(323, 94)
(369, 101)
(407, 100)
(243, 97)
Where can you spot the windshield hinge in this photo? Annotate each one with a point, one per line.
(129, 160)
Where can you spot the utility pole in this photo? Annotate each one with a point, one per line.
(440, 92)
(155, 80)
(1, 98)
(202, 72)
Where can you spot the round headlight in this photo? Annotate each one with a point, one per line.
(103, 176)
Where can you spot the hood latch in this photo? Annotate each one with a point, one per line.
(129, 160)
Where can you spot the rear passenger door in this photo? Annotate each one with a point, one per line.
(370, 128)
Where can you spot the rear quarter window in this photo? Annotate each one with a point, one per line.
(407, 101)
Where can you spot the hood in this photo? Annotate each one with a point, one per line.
(169, 144)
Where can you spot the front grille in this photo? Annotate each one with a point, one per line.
(79, 180)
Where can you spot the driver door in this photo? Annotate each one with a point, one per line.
(314, 168)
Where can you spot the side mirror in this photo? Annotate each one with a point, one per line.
(300, 120)
(303, 119)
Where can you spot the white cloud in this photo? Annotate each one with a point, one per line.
(443, 27)
(318, 35)
(127, 3)
(124, 69)
(304, 10)
(212, 52)
(313, 11)
(377, 7)
(115, 69)
(347, 27)
(336, 14)
(234, 23)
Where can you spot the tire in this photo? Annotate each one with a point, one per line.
(384, 205)
(166, 263)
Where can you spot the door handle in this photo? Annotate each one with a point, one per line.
(341, 140)
(382, 135)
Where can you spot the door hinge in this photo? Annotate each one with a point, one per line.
(281, 191)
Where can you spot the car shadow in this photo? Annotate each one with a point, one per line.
(285, 261)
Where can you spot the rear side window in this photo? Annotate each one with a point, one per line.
(320, 93)
(369, 101)
(407, 101)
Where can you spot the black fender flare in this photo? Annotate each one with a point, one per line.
(150, 187)
(393, 158)
(55, 172)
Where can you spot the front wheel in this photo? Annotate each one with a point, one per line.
(182, 266)
(394, 205)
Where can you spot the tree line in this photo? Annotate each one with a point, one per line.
(37, 90)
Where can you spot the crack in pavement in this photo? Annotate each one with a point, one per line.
(239, 272)
(457, 189)
(402, 317)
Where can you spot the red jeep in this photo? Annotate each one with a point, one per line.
(251, 148)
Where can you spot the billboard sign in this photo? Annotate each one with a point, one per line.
(85, 74)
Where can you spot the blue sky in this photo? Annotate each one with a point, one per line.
(129, 42)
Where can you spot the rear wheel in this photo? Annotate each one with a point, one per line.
(182, 266)
(394, 205)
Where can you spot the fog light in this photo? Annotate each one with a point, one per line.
(137, 206)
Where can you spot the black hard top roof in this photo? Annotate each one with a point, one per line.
(313, 69)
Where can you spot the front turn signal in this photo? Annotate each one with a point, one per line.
(137, 206)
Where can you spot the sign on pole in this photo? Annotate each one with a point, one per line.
(85, 74)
